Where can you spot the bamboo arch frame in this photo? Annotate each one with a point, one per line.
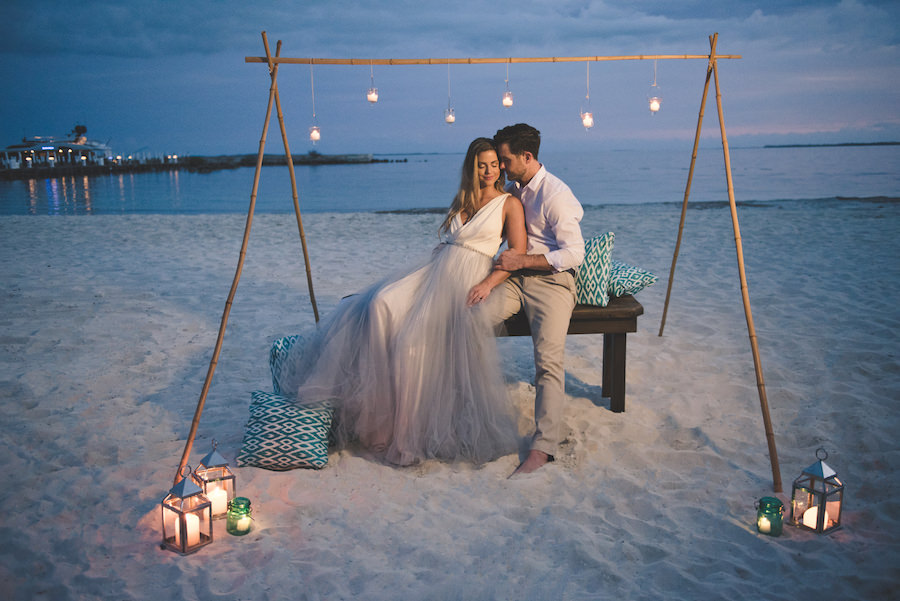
(274, 62)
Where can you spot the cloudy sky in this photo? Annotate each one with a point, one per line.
(169, 76)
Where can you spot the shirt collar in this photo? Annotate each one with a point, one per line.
(535, 181)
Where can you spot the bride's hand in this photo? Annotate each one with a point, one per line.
(478, 294)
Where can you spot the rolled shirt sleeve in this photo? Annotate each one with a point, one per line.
(565, 217)
(552, 220)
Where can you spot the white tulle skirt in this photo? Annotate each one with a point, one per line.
(413, 373)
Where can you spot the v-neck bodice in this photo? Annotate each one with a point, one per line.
(483, 232)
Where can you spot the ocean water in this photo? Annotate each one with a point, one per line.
(428, 181)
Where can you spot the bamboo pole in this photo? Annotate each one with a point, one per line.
(745, 294)
(296, 198)
(273, 72)
(687, 188)
(478, 61)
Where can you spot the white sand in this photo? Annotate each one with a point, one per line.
(107, 325)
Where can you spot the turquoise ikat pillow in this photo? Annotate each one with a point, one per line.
(282, 435)
(628, 279)
(593, 275)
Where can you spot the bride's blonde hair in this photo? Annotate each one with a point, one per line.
(469, 191)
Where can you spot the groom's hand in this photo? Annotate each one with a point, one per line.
(510, 261)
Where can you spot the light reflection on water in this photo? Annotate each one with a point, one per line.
(428, 181)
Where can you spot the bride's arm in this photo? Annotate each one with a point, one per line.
(516, 240)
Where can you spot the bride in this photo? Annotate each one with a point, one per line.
(410, 363)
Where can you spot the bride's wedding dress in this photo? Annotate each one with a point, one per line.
(412, 371)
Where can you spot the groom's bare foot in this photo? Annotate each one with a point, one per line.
(535, 460)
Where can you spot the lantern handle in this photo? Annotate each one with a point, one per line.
(824, 452)
(186, 471)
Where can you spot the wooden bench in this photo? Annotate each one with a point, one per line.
(614, 321)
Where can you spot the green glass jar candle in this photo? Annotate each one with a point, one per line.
(769, 516)
(239, 518)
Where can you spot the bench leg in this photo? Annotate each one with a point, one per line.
(614, 371)
(607, 365)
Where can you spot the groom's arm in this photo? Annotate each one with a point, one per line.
(510, 261)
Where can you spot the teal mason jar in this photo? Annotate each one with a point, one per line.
(769, 516)
(239, 518)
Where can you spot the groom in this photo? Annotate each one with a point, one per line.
(543, 282)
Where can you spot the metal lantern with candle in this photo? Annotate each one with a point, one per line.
(817, 497)
(217, 481)
(186, 516)
(240, 517)
(769, 512)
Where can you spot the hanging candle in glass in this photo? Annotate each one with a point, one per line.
(315, 134)
(655, 98)
(449, 114)
(587, 116)
(372, 93)
(507, 99)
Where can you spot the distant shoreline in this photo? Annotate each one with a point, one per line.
(829, 145)
(196, 164)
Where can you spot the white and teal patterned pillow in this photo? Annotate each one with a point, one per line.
(628, 279)
(592, 276)
(282, 435)
(277, 356)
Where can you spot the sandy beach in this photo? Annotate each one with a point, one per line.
(108, 323)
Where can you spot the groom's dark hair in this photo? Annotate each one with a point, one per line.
(520, 137)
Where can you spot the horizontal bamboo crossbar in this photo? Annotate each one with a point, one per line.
(477, 61)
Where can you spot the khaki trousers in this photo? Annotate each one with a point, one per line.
(548, 300)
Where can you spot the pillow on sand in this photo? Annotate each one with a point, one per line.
(592, 276)
(628, 279)
(283, 436)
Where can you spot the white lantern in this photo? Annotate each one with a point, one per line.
(449, 116)
(217, 481)
(817, 498)
(314, 133)
(654, 104)
(186, 516)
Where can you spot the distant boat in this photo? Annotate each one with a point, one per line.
(48, 151)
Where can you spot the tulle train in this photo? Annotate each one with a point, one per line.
(413, 372)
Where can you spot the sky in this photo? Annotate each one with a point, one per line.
(161, 76)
